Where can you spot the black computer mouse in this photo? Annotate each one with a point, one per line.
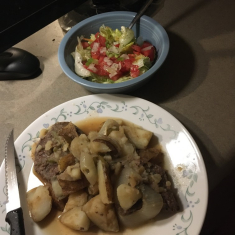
(18, 64)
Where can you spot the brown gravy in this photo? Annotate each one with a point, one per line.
(51, 224)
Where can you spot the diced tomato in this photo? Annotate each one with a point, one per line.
(85, 45)
(126, 65)
(95, 55)
(146, 44)
(117, 76)
(101, 71)
(92, 45)
(149, 53)
(136, 48)
(117, 45)
(136, 52)
(97, 37)
(134, 71)
(84, 65)
(102, 40)
(101, 59)
(132, 57)
(102, 51)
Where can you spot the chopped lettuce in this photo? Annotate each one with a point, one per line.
(143, 69)
(106, 32)
(126, 37)
(91, 61)
(92, 37)
(127, 48)
(99, 79)
(143, 61)
(119, 45)
(123, 79)
(79, 69)
(85, 53)
(102, 79)
(116, 34)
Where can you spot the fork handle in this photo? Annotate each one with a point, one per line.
(16, 221)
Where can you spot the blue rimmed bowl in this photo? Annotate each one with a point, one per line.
(146, 27)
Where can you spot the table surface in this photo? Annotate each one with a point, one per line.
(196, 84)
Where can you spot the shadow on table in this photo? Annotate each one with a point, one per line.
(220, 217)
(176, 73)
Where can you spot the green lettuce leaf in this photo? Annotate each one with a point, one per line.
(99, 79)
(106, 32)
(123, 79)
(126, 37)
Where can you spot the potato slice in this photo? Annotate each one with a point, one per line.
(76, 199)
(101, 215)
(57, 190)
(78, 145)
(75, 219)
(39, 203)
(139, 137)
(104, 183)
(127, 196)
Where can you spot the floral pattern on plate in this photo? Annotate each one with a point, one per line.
(185, 163)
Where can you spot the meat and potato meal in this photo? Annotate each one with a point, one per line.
(106, 178)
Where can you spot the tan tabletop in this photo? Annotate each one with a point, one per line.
(196, 84)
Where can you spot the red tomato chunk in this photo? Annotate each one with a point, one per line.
(112, 67)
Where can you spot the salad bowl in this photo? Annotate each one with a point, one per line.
(146, 28)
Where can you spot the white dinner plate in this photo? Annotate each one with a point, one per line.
(184, 161)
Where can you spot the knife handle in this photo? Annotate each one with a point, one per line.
(16, 221)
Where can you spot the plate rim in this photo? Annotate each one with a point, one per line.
(118, 96)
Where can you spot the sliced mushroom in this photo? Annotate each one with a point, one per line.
(88, 167)
(109, 126)
(104, 183)
(113, 147)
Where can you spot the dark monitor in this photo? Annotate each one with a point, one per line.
(21, 18)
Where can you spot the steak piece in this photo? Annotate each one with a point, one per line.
(147, 154)
(43, 165)
(169, 200)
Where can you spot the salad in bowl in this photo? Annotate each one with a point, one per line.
(112, 56)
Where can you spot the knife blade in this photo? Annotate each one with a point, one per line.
(14, 213)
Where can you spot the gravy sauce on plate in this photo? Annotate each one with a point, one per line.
(51, 224)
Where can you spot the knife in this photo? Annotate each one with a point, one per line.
(14, 213)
